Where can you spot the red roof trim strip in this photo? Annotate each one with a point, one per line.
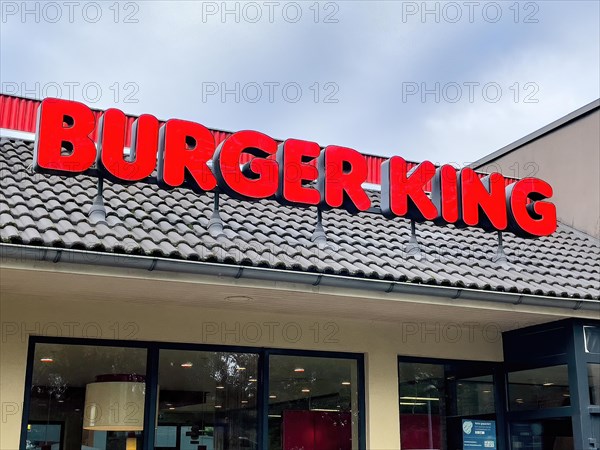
(18, 113)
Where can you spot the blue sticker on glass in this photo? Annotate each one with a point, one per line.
(479, 434)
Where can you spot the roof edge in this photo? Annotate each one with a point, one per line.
(565, 120)
(21, 253)
(219, 130)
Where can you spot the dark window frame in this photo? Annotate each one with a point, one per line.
(152, 353)
(499, 389)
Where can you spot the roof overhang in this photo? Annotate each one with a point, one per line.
(23, 257)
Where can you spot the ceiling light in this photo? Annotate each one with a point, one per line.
(47, 359)
(412, 404)
(305, 390)
(299, 369)
(244, 402)
(252, 380)
(171, 408)
(548, 384)
(487, 391)
(187, 365)
(241, 368)
(238, 299)
(346, 383)
(220, 387)
(272, 396)
(427, 399)
(218, 406)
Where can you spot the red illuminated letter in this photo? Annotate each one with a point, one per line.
(293, 157)
(111, 143)
(63, 123)
(185, 148)
(403, 194)
(482, 201)
(258, 178)
(444, 194)
(530, 219)
(342, 171)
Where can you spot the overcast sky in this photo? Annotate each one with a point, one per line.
(444, 81)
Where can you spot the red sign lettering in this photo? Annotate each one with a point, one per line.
(111, 146)
(184, 151)
(342, 171)
(257, 178)
(293, 157)
(62, 142)
(187, 155)
(403, 193)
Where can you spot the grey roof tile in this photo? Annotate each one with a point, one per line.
(144, 219)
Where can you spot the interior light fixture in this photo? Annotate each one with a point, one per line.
(427, 399)
(239, 299)
(272, 396)
(127, 391)
(47, 359)
(548, 384)
(187, 365)
(220, 387)
(346, 383)
(305, 390)
(299, 370)
(131, 442)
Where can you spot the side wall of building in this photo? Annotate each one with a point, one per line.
(569, 159)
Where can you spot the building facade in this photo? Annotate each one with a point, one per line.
(135, 317)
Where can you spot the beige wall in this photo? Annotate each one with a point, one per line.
(51, 299)
(569, 159)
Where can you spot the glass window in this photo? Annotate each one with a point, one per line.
(550, 434)
(422, 405)
(207, 400)
(439, 401)
(86, 397)
(544, 387)
(594, 383)
(313, 403)
(93, 397)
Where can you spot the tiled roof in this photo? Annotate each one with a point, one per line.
(142, 219)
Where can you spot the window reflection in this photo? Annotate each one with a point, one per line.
(86, 397)
(552, 434)
(313, 403)
(544, 387)
(207, 400)
(594, 383)
(436, 399)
